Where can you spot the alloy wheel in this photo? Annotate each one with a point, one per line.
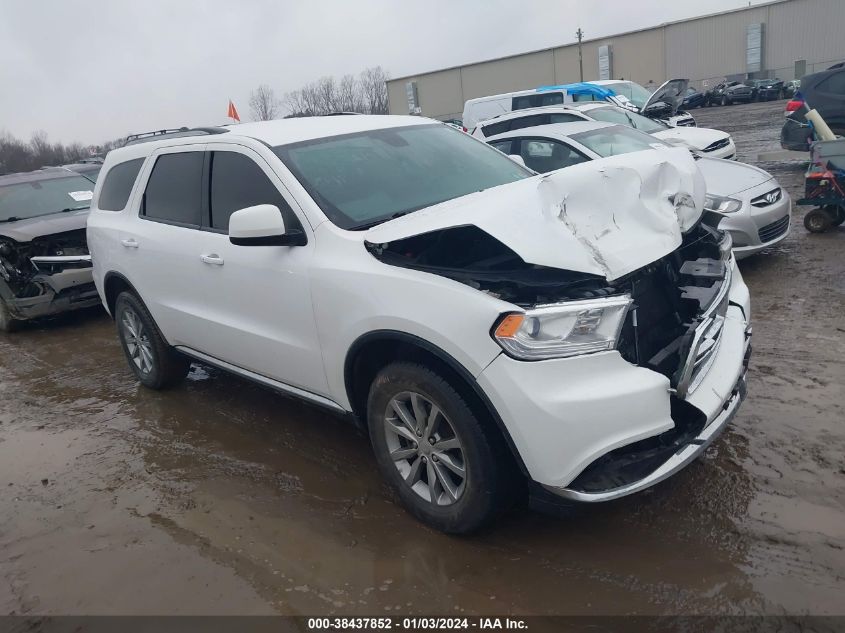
(137, 340)
(425, 448)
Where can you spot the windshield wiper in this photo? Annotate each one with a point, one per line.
(14, 218)
(69, 209)
(369, 225)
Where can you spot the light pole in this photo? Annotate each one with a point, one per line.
(580, 34)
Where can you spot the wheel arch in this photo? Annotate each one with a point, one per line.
(374, 350)
(113, 284)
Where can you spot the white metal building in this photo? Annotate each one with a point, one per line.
(784, 38)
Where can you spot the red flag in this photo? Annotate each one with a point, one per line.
(233, 113)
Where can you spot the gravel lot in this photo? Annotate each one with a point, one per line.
(223, 497)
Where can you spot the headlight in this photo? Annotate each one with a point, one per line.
(564, 329)
(720, 204)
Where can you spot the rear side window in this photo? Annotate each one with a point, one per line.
(118, 185)
(834, 84)
(174, 191)
(238, 182)
(528, 121)
(537, 100)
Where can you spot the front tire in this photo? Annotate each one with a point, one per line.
(7, 322)
(817, 221)
(725, 100)
(151, 359)
(449, 469)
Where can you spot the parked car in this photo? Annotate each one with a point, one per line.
(713, 143)
(663, 104)
(660, 104)
(45, 267)
(376, 266)
(791, 87)
(769, 89)
(89, 170)
(745, 201)
(692, 99)
(824, 92)
(730, 92)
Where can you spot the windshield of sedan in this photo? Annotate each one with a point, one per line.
(22, 200)
(635, 92)
(611, 141)
(612, 114)
(362, 179)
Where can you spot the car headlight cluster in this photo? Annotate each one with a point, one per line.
(721, 204)
(564, 329)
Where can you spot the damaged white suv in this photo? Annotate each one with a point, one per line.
(579, 334)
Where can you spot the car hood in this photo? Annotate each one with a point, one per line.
(28, 229)
(671, 92)
(606, 217)
(729, 177)
(696, 137)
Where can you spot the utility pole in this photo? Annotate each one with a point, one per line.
(580, 34)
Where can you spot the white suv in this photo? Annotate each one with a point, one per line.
(580, 334)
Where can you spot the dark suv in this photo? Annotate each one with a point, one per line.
(824, 92)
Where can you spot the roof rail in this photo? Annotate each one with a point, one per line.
(156, 135)
(339, 113)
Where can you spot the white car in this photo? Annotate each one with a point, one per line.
(746, 201)
(663, 103)
(580, 332)
(712, 143)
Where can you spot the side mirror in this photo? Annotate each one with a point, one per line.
(518, 159)
(262, 225)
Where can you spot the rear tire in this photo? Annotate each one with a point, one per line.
(817, 221)
(7, 322)
(837, 214)
(151, 359)
(448, 469)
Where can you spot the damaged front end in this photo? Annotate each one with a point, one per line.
(621, 240)
(47, 275)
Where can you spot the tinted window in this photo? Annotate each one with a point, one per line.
(118, 185)
(537, 100)
(834, 84)
(502, 146)
(174, 189)
(546, 155)
(238, 182)
(364, 178)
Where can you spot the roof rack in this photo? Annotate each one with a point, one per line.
(156, 135)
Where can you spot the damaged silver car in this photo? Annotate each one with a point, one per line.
(45, 267)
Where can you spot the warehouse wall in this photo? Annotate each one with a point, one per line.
(703, 49)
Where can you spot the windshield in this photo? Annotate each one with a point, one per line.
(635, 92)
(611, 141)
(611, 114)
(362, 179)
(42, 197)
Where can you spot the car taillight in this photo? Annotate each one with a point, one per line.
(793, 104)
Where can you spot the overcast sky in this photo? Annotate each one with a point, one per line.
(93, 70)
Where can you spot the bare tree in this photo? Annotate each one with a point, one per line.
(349, 96)
(374, 88)
(263, 104)
(366, 94)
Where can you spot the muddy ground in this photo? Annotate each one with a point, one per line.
(223, 497)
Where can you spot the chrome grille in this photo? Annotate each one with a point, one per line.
(706, 339)
(774, 230)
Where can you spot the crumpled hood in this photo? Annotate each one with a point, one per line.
(729, 177)
(28, 229)
(605, 217)
(697, 137)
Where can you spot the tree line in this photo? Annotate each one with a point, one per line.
(366, 93)
(17, 155)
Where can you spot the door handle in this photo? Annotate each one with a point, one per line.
(130, 243)
(213, 259)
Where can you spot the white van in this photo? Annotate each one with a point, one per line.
(484, 108)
